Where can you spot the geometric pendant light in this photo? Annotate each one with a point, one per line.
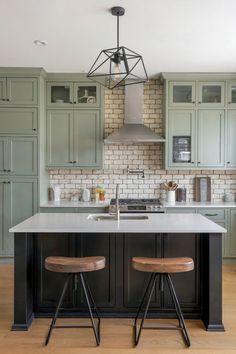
(119, 66)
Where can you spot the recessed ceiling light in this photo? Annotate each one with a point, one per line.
(39, 42)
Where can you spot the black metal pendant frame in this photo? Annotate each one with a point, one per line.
(118, 55)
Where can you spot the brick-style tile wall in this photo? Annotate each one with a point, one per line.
(147, 157)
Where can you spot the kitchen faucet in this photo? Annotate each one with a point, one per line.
(117, 214)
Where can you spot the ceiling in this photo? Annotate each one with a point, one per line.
(171, 35)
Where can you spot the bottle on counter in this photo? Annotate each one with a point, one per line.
(100, 193)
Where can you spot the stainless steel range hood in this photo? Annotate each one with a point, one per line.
(133, 130)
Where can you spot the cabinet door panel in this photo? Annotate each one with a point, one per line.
(86, 94)
(18, 121)
(22, 91)
(87, 139)
(211, 138)
(232, 240)
(5, 236)
(3, 155)
(187, 285)
(23, 156)
(50, 284)
(139, 245)
(59, 94)
(181, 127)
(2, 90)
(231, 141)
(59, 138)
(211, 94)
(182, 94)
(95, 245)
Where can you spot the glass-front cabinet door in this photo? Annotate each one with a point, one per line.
(211, 94)
(181, 138)
(182, 94)
(86, 94)
(231, 94)
(60, 94)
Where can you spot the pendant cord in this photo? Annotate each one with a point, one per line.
(118, 29)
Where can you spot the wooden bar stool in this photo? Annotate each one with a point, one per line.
(76, 267)
(161, 267)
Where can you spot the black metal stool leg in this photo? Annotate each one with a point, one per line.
(94, 305)
(153, 279)
(178, 310)
(57, 309)
(143, 298)
(90, 310)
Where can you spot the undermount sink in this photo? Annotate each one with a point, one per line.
(112, 217)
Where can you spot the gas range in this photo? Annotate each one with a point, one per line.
(137, 206)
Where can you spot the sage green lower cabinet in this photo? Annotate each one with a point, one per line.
(74, 138)
(18, 200)
(220, 217)
(18, 120)
(211, 142)
(18, 156)
(180, 210)
(232, 238)
(231, 141)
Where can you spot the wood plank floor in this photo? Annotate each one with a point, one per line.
(116, 334)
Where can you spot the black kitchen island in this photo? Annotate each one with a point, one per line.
(118, 288)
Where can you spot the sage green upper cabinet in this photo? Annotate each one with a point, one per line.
(18, 120)
(18, 156)
(231, 94)
(74, 94)
(182, 94)
(211, 94)
(59, 141)
(18, 91)
(211, 142)
(87, 138)
(74, 138)
(181, 138)
(3, 87)
(231, 140)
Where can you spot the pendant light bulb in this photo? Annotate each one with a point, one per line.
(116, 72)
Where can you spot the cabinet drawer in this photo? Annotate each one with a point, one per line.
(178, 210)
(213, 214)
(18, 121)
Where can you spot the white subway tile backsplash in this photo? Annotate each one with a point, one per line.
(147, 157)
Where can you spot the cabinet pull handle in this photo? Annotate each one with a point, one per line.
(70, 161)
(74, 161)
(229, 102)
(3, 99)
(198, 162)
(4, 170)
(211, 214)
(192, 161)
(8, 170)
(193, 102)
(34, 129)
(8, 182)
(75, 102)
(71, 102)
(8, 99)
(199, 102)
(228, 162)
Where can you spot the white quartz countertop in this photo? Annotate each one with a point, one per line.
(71, 204)
(79, 223)
(200, 205)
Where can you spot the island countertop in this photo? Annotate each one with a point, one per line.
(81, 223)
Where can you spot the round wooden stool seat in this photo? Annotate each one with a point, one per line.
(163, 265)
(74, 265)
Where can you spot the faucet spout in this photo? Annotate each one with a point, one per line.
(117, 203)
